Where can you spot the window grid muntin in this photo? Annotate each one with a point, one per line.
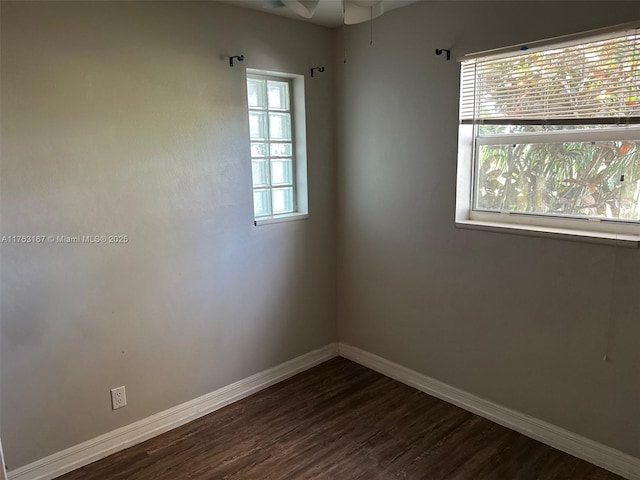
(269, 142)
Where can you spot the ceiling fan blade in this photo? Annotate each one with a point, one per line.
(272, 4)
(304, 8)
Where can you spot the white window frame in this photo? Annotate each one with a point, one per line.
(299, 145)
(569, 228)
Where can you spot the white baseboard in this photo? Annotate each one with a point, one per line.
(130, 435)
(90, 451)
(606, 457)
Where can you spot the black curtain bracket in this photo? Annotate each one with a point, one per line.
(240, 58)
(440, 51)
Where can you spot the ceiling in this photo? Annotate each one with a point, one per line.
(328, 13)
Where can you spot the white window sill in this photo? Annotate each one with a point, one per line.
(290, 217)
(621, 240)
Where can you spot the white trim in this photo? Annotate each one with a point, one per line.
(530, 229)
(87, 452)
(619, 133)
(289, 217)
(569, 442)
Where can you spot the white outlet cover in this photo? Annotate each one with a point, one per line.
(118, 398)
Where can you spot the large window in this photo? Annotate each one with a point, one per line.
(550, 137)
(274, 139)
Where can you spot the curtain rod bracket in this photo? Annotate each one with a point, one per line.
(314, 69)
(440, 51)
(240, 58)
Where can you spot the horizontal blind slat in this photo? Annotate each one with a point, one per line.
(600, 78)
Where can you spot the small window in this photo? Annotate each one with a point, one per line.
(278, 150)
(549, 137)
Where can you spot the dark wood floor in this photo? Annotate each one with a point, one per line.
(341, 421)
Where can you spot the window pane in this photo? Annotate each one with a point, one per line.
(272, 145)
(261, 203)
(259, 149)
(281, 150)
(256, 93)
(260, 171)
(278, 95)
(281, 171)
(282, 200)
(258, 125)
(592, 179)
(280, 126)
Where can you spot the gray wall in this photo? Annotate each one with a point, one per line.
(124, 118)
(518, 320)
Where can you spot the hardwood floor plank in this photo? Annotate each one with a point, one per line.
(340, 421)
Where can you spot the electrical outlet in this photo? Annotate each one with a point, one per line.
(118, 398)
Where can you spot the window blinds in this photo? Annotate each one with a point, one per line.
(596, 81)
